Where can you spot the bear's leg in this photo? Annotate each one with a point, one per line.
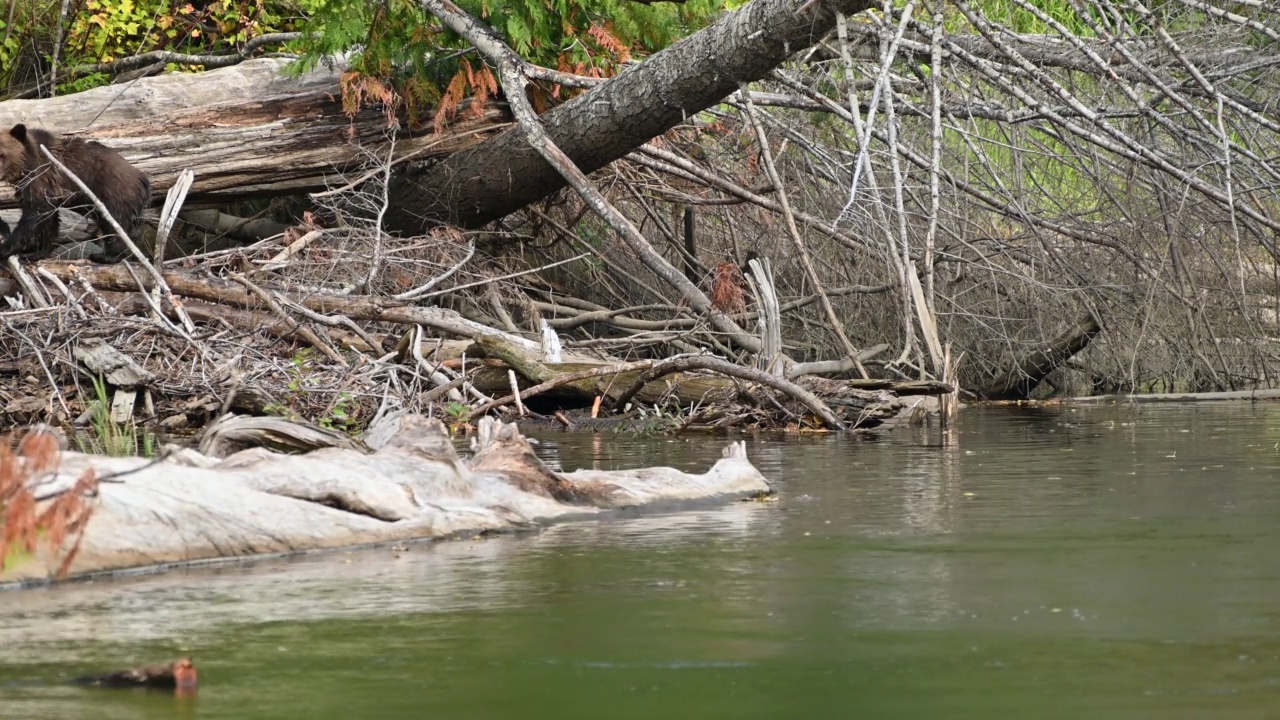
(35, 235)
(113, 248)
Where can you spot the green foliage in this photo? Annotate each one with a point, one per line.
(408, 53)
(342, 415)
(9, 45)
(109, 30)
(101, 31)
(299, 366)
(111, 438)
(457, 416)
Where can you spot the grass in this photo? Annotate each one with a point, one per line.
(107, 437)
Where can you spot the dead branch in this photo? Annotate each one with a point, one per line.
(706, 362)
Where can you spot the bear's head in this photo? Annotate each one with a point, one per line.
(13, 150)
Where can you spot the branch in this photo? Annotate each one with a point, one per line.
(724, 367)
(511, 71)
(165, 57)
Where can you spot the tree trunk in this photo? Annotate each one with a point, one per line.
(1029, 371)
(505, 173)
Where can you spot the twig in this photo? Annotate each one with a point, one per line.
(423, 289)
(161, 57)
(375, 263)
(494, 128)
(486, 281)
(515, 391)
(331, 321)
(169, 214)
(304, 332)
(443, 383)
(57, 47)
(29, 287)
(293, 248)
(66, 292)
(40, 358)
(766, 154)
(157, 312)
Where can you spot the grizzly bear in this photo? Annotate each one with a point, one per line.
(43, 188)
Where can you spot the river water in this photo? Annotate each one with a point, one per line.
(1114, 562)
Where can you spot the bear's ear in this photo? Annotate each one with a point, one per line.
(19, 132)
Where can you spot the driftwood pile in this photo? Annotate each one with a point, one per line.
(182, 342)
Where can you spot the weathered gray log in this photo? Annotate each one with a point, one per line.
(505, 173)
(232, 433)
(114, 366)
(1029, 371)
(246, 131)
(190, 507)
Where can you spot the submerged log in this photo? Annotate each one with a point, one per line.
(180, 674)
(1029, 371)
(861, 403)
(1220, 396)
(189, 507)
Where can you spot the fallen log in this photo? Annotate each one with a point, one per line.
(189, 507)
(576, 385)
(1028, 372)
(246, 131)
(507, 173)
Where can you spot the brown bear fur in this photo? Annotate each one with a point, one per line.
(43, 188)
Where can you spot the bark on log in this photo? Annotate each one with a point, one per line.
(1031, 370)
(245, 131)
(506, 173)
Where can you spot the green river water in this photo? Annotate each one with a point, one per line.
(1119, 562)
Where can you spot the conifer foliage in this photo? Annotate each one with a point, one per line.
(430, 70)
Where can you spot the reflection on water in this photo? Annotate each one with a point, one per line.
(1044, 563)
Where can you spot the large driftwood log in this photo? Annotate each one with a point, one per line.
(191, 507)
(246, 131)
